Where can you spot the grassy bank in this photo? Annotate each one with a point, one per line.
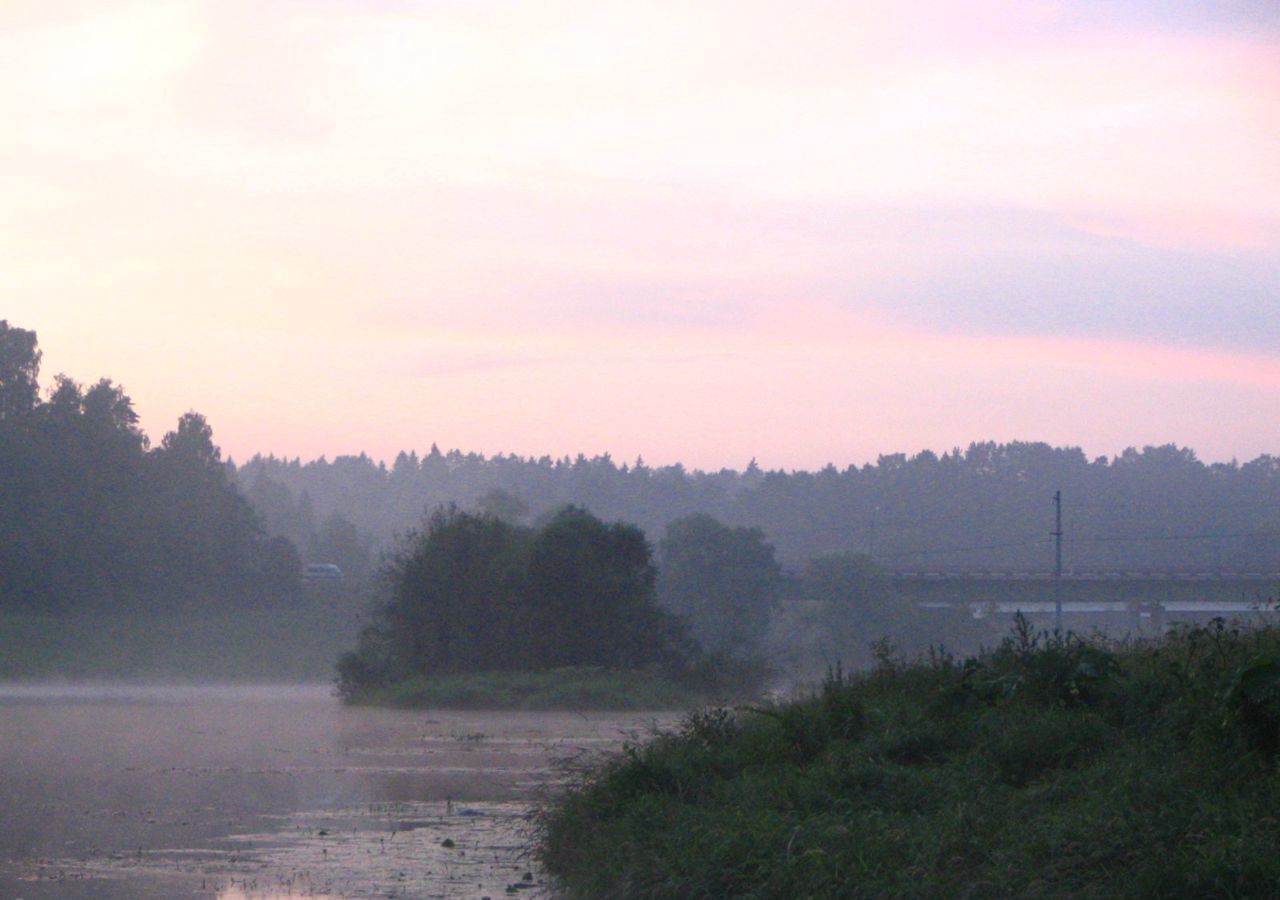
(1049, 767)
(575, 688)
(297, 643)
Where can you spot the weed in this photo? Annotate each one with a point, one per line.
(1051, 766)
(1253, 698)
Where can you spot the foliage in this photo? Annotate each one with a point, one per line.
(981, 507)
(845, 603)
(19, 369)
(90, 515)
(723, 581)
(473, 593)
(1050, 668)
(591, 595)
(1254, 701)
(455, 601)
(1051, 766)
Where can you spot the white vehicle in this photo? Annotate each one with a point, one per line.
(321, 570)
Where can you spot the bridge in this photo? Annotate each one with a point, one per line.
(1071, 575)
(1147, 600)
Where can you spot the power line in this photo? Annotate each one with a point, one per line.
(1057, 564)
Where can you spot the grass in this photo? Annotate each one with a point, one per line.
(1051, 766)
(278, 644)
(571, 688)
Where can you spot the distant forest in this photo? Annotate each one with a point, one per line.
(984, 508)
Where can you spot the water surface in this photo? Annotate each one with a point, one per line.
(273, 792)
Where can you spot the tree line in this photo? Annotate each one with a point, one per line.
(986, 507)
(91, 513)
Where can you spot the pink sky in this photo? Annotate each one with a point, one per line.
(699, 232)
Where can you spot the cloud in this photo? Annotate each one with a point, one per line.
(1011, 272)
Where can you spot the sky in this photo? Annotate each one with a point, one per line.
(800, 232)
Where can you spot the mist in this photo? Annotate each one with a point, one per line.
(269, 791)
(448, 449)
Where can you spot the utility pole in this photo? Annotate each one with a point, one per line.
(871, 542)
(1057, 561)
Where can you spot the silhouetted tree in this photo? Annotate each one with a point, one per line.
(455, 602)
(19, 371)
(89, 516)
(591, 594)
(471, 593)
(723, 581)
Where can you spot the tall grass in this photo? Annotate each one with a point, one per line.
(1050, 766)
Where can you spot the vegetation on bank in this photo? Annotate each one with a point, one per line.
(1051, 766)
(476, 594)
(479, 612)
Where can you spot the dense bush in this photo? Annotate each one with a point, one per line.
(472, 593)
(725, 582)
(1051, 766)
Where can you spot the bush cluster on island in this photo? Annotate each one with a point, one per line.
(477, 611)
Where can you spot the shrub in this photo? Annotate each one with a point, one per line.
(1051, 766)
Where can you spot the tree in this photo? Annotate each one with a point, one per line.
(849, 604)
(471, 592)
(19, 371)
(204, 520)
(724, 581)
(503, 505)
(281, 515)
(66, 400)
(338, 541)
(591, 594)
(192, 442)
(454, 598)
(89, 516)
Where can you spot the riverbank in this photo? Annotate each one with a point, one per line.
(297, 643)
(1047, 768)
(554, 689)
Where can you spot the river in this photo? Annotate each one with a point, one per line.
(275, 792)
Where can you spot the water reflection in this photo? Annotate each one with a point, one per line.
(100, 692)
(238, 893)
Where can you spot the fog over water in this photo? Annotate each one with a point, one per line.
(270, 792)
